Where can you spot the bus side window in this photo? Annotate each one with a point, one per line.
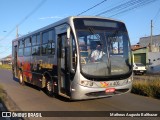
(36, 44)
(48, 43)
(21, 44)
(38, 39)
(27, 42)
(34, 40)
(51, 44)
(27, 49)
(20, 52)
(44, 49)
(51, 48)
(45, 39)
(20, 48)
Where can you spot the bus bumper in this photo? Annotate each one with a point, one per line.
(81, 93)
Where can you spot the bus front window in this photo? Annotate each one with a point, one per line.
(104, 51)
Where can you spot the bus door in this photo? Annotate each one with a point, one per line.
(15, 65)
(63, 65)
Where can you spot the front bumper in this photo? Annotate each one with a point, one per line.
(79, 92)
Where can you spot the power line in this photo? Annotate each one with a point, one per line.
(32, 12)
(133, 7)
(21, 22)
(110, 6)
(156, 16)
(114, 8)
(5, 50)
(132, 4)
(25, 18)
(91, 7)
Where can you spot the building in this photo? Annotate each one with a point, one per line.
(6, 60)
(139, 54)
(154, 44)
(148, 53)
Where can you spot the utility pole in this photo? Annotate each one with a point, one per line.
(151, 42)
(17, 32)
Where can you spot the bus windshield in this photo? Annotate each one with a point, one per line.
(103, 47)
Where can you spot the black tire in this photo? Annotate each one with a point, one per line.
(21, 80)
(49, 88)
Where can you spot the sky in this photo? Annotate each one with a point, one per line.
(31, 15)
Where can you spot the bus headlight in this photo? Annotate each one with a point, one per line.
(127, 81)
(86, 83)
(130, 79)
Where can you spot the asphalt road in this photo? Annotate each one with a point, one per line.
(29, 98)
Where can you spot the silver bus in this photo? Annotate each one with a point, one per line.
(61, 58)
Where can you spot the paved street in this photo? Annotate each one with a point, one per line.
(28, 98)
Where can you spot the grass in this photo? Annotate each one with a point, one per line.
(150, 88)
(2, 93)
(6, 66)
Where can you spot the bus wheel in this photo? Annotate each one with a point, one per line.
(21, 81)
(49, 88)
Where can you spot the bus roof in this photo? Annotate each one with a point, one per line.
(65, 20)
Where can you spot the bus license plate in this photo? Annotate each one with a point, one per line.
(110, 90)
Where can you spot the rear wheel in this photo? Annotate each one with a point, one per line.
(49, 88)
(21, 81)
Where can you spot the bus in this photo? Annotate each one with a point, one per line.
(57, 58)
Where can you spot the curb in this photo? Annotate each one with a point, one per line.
(8, 105)
(2, 108)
